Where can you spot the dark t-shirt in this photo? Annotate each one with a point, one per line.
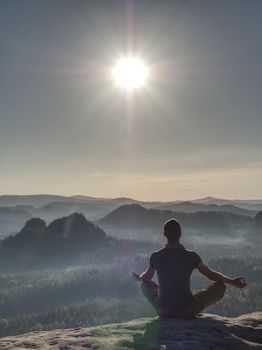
(174, 267)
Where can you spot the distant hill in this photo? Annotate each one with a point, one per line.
(92, 209)
(13, 212)
(191, 207)
(30, 237)
(211, 200)
(62, 240)
(136, 216)
(252, 204)
(57, 209)
(258, 222)
(32, 200)
(12, 218)
(256, 206)
(74, 229)
(44, 199)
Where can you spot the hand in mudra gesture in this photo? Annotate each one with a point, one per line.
(136, 276)
(239, 282)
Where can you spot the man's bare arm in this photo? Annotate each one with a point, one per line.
(147, 275)
(238, 282)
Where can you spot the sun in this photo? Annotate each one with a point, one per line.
(130, 73)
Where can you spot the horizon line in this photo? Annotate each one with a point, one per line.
(135, 199)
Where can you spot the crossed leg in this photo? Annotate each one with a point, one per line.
(203, 298)
(150, 291)
(209, 295)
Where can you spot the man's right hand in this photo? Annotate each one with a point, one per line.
(239, 282)
(136, 276)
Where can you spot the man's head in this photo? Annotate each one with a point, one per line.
(172, 230)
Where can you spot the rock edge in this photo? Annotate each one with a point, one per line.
(209, 332)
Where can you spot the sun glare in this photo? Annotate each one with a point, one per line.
(130, 73)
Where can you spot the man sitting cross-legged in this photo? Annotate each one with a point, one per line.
(174, 265)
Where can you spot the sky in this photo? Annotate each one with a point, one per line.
(193, 131)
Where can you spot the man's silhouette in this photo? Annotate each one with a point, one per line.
(174, 265)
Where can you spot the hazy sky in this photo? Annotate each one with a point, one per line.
(194, 130)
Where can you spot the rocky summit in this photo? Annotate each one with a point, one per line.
(208, 332)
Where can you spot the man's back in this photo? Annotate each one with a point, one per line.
(174, 267)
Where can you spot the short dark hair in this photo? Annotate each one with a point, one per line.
(172, 230)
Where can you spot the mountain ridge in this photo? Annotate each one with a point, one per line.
(50, 207)
(135, 216)
(44, 197)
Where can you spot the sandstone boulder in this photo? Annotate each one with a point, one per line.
(208, 332)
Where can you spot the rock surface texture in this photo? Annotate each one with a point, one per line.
(207, 332)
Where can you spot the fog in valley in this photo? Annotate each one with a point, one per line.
(68, 261)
